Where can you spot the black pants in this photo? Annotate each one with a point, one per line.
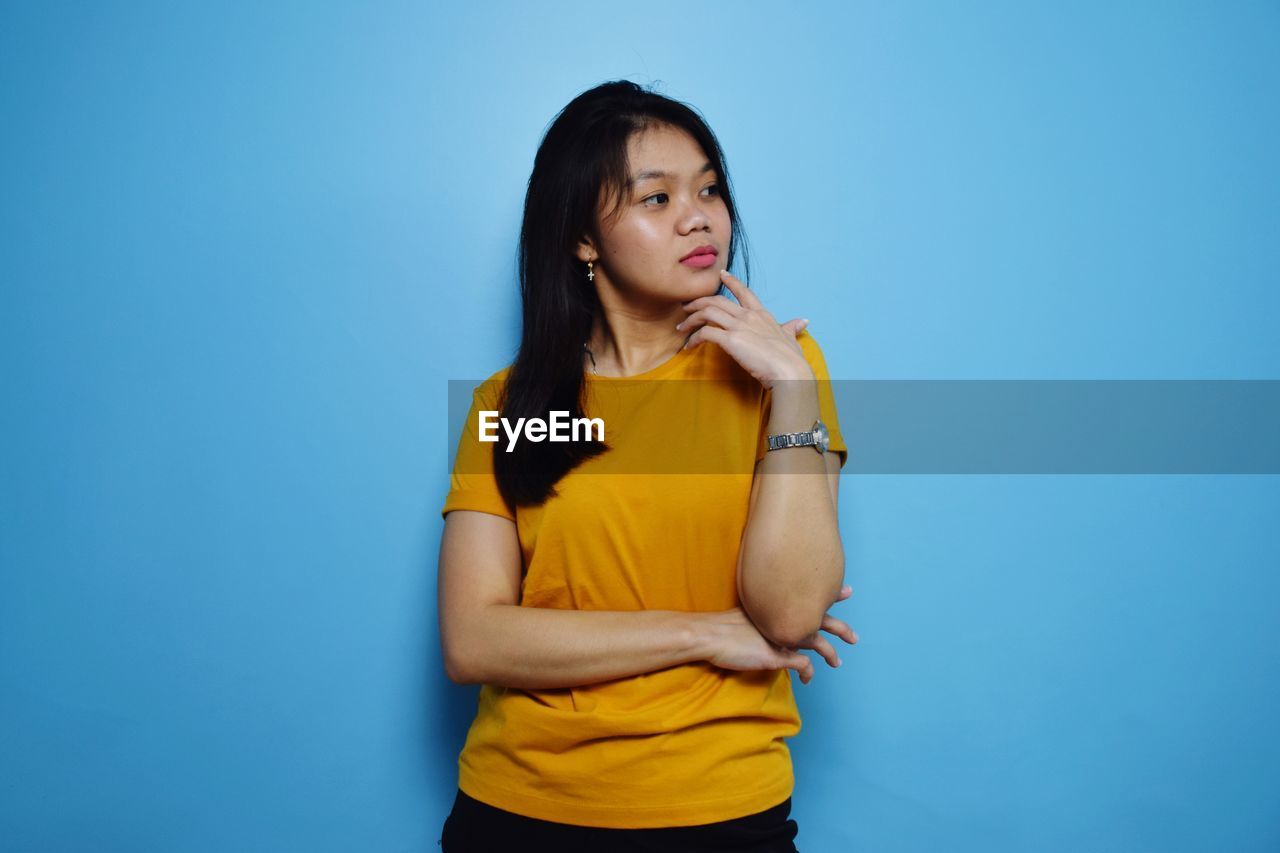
(476, 827)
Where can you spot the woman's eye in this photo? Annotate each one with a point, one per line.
(715, 190)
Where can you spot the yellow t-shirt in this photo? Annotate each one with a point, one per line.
(640, 527)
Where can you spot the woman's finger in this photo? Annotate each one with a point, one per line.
(740, 291)
(796, 326)
(715, 334)
(805, 669)
(800, 663)
(716, 299)
(711, 314)
(832, 625)
(820, 645)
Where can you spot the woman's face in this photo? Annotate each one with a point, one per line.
(672, 207)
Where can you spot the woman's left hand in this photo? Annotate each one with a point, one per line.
(746, 331)
(820, 644)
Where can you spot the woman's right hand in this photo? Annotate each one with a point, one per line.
(737, 644)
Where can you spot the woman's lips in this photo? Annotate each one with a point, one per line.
(701, 261)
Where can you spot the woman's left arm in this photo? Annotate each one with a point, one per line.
(791, 562)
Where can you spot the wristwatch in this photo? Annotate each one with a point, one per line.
(816, 437)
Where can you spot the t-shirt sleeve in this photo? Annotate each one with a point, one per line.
(472, 484)
(826, 402)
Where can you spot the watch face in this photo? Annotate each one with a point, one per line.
(820, 434)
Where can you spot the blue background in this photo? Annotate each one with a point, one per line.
(243, 247)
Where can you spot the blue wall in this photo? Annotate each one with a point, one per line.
(243, 247)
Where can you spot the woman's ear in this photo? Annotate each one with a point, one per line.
(587, 250)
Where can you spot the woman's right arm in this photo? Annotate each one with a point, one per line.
(488, 638)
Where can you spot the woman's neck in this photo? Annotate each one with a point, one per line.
(625, 346)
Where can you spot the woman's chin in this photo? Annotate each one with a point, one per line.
(702, 286)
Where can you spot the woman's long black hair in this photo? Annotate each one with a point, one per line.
(581, 162)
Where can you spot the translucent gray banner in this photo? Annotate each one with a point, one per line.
(1002, 426)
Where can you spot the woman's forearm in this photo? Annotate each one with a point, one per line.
(541, 648)
(792, 561)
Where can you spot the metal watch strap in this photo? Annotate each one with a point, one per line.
(792, 439)
(817, 438)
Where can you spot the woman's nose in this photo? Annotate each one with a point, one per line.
(695, 217)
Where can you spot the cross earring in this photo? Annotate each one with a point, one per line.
(591, 273)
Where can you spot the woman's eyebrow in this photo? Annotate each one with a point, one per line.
(648, 174)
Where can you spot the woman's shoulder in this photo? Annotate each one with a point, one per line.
(813, 354)
(490, 389)
(499, 375)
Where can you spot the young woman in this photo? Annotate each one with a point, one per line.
(632, 603)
